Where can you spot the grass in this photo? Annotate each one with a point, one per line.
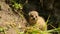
(29, 30)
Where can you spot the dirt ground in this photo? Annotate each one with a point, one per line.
(9, 20)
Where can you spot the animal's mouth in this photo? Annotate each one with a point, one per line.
(33, 19)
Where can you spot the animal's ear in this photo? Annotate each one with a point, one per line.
(37, 13)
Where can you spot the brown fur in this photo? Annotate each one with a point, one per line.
(36, 20)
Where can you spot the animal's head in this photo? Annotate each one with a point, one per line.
(33, 15)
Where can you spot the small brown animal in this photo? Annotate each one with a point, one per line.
(37, 21)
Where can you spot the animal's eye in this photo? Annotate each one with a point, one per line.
(36, 16)
(31, 15)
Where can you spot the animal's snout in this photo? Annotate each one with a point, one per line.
(33, 18)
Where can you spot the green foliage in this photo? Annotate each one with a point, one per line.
(16, 5)
(54, 30)
(35, 31)
(21, 32)
(31, 30)
(48, 19)
(1, 29)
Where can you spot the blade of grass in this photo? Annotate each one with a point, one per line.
(48, 19)
(54, 30)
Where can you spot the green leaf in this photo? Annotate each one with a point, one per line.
(1, 29)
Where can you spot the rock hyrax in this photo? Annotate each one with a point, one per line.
(37, 21)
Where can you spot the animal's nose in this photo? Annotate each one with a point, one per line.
(33, 18)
